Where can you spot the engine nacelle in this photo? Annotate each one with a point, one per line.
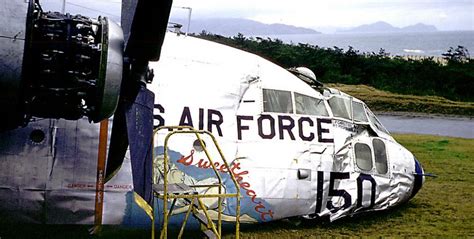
(55, 65)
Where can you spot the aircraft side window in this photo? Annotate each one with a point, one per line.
(380, 156)
(359, 112)
(308, 105)
(363, 155)
(340, 107)
(278, 101)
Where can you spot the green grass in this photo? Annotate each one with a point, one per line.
(444, 207)
(379, 100)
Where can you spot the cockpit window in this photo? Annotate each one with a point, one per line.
(359, 112)
(363, 156)
(309, 105)
(278, 101)
(375, 121)
(380, 156)
(340, 107)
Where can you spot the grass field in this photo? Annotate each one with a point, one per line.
(379, 100)
(444, 208)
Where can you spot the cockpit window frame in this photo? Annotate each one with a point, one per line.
(375, 169)
(364, 112)
(349, 102)
(380, 156)
(321, 101)
(333, 108)
(360, 161)
(265, 100)
(375, 121)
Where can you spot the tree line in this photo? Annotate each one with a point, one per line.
(453, 80)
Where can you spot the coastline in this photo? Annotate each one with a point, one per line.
(389, 41)
(423, 115)
(427, 124)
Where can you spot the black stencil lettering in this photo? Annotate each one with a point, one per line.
(186, 119)
(161, 120)
(270, 119)
(322, 130)
(241, 127)
(365, 177)
(288, 127)
(300, 128)
(338, 192)
(216, 122)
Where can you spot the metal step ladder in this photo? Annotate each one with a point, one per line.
(174, 191)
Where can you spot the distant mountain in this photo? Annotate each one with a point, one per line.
(374, 27)
(233, 26)
(420, 27)
(386, 27)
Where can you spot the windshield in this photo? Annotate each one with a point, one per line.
(347, 108)
(375, 121)
(340, 107)
(359, 112)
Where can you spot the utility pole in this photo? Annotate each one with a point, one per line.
(189, 17)
(63, 7)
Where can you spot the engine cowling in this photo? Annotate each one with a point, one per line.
(55, 65)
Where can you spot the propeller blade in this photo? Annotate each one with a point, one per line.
(118, 143)
(144, 24)
(133, 126)
(139, 121)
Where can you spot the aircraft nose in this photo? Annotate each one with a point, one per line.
(419, 177)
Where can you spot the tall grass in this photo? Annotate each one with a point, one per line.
(379, 100)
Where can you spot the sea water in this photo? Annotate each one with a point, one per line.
(413, 43)
(462, 127)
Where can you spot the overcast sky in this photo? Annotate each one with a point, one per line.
(317, 14)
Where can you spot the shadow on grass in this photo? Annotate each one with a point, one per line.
(358, 222)
(355, 223)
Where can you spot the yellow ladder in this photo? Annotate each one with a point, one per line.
(173, 192)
